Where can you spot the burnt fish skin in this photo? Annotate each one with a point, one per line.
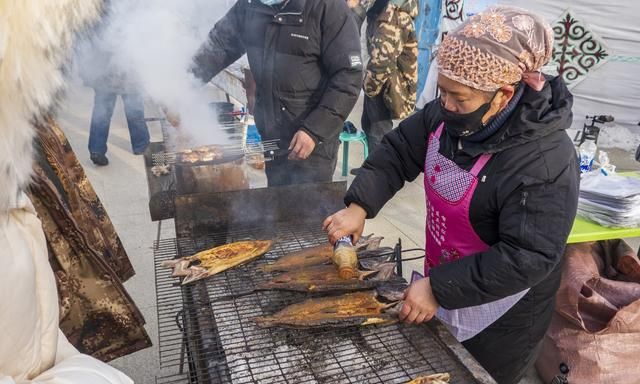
(320, 278)
(325, 278)
(438, 378)
(318, 255)
(352, 309)
(217, 259)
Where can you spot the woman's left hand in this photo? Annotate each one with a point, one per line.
(420, 304)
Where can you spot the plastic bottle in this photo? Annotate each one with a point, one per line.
(587, 152)
(345, 258)
(606, 168)
(256, 149)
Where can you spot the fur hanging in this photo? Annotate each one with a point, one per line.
(36, 39)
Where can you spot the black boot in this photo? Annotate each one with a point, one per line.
(99, 160)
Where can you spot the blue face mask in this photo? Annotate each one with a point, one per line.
(272, 2)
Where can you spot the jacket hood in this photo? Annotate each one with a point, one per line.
(31, 77)
(538, 114)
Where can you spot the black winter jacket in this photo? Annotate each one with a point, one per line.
(523, 208)
(304, 56)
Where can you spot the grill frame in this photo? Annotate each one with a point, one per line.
(200, 309)
(199, 215)
(164, 189)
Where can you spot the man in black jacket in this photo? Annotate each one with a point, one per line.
(305, 58)
(501, 184)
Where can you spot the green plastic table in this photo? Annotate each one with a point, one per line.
(584, 230)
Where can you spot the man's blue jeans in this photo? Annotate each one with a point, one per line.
(104, 103)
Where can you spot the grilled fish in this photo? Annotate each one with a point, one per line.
(317, 255)
(218, 259)
(438, 378)
(352, 309)
(319, 278)
(325, 278)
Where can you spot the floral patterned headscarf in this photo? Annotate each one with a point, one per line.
(499, 46)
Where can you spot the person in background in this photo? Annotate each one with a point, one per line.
(100, 72)
(305, 59)
(391, 76)
(501, 185)
(89, 262)
(33, 350)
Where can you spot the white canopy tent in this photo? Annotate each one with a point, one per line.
(597, 47)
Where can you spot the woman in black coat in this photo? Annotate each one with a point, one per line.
(501, 185)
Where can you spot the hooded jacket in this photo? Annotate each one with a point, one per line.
(523, 208)
(32, 348)
(304, 56)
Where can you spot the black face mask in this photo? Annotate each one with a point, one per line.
(464, 124)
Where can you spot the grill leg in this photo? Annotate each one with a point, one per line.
(182, 353)
(183, 331)
(397, 251)
(158, 234)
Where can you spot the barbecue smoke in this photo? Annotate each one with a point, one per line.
(152, 44)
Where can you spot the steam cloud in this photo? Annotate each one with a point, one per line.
(153, 42)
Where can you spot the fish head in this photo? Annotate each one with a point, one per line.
(392, 292)
(386, 272)
(368, 242)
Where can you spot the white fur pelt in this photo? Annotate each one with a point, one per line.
(36, 37)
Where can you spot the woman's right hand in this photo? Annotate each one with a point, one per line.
(347, 221)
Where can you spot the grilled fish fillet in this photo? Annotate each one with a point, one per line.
(351, 309)
(438, 378)
(218, 259)
(325, 278)
(317, 255)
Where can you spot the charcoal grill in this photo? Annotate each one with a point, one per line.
(207, 335)
(206, 331)
(187, 178)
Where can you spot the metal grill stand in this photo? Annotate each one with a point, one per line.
(206, 329)
(223, 345)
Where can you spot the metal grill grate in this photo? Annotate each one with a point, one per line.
(267, 148)
(221, 343)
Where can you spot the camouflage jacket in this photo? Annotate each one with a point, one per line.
(393, 51)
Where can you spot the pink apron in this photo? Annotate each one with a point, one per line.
(450, 235)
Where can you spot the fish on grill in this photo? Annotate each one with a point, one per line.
(325, 278)
(438, 378)
(317, 255)
(218, 259)
(351, 309)
(201, 154)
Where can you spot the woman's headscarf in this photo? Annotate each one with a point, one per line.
(499, 46)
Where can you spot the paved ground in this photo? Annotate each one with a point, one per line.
(123, 190)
